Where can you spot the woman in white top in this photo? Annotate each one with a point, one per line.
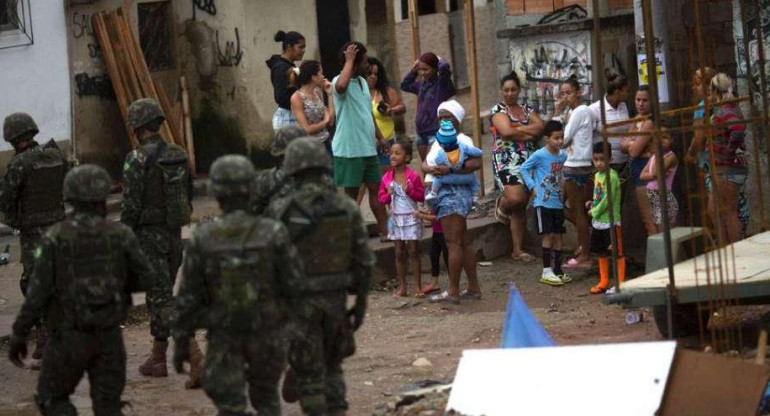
(578, 171)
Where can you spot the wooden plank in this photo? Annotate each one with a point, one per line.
(133, 89)
(171, 119)
(188, 131)
(470, 37)
(414, 24)
(140, 69)
(100, 31)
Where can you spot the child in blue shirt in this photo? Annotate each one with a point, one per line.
(542, 173)
(453, 154)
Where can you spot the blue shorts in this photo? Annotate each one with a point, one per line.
(637, 166)
(581, 179)
(426, 140)
(454, 200)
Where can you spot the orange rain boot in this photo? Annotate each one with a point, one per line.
(604, 276)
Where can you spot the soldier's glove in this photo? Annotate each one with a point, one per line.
(18, 350)
(356, 315)
(181, 353)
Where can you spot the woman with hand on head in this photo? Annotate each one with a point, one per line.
(515, 130)
(431, 80)
(293, 44)
(307, 103)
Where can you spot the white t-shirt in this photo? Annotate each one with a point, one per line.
(434, 149)
(611, 115)
(578, 137)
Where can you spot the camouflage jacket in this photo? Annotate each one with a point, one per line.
(85, 269)
(240, 273)
(325, 247)
(31, 190)
(138, 179)
(267, 184)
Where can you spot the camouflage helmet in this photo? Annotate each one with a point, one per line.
(231, 175)
(306, 153)
(283, 137)
(17, 125)
(143, 111)
(88, 183)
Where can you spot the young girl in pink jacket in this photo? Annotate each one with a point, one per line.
(401, 188)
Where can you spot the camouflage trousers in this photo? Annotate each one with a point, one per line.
(29, 239)
(234, 360)
(323, 338)
(69, 354)
(163, 248)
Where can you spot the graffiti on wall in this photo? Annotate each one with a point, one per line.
(207, 6)
(748, 61)
(544, 62)
(97, 86)
(81, 29)
(233, 53)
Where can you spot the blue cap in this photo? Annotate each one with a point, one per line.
(446, 133)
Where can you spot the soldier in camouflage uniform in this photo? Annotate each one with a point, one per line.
(330, 236)
(239, 273)
(269, 181)
(157, 195)
(85, 270)
(31, 193)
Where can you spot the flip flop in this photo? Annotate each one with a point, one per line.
(430, 289)
(574, 264)
(444, 297)
(524, 257)
(499, 215)
(420, 295)
(470, 296)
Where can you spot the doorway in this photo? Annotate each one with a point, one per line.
(333, 31)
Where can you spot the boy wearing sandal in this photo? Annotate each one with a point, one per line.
(599, 210)
(542, 172)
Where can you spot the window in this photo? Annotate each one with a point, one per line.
(423, 7)
(155, 34)
(8, 16)
(15, 24)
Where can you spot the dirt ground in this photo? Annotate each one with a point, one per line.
(397, 332)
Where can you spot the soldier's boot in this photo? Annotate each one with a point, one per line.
(41, 338)
(196, 366)
(155, 366)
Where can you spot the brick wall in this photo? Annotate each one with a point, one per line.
(522, 7)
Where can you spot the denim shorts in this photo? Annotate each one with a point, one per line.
(637, 166)
(734, 177)
(454, 200)
(426, 140)
(581, 176)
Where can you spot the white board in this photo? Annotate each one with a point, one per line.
(591, 380)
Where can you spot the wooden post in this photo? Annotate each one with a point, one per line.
(414, 24)
(470, 38)
(188, 131)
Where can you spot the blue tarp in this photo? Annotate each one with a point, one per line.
(521, 329)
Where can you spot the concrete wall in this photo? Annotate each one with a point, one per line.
(35, 78)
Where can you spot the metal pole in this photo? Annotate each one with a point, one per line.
(596, 64)
(470, 38)
(652, 73)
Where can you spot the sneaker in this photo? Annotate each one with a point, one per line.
(610, 291)
(551, 280)
(565, 278)
(430, 196)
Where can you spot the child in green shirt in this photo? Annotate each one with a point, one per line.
(601, 239)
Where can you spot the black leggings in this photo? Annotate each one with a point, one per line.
(437, 247)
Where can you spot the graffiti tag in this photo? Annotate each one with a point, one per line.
(97, 86)
(233, 53)
(207, 6)
(81, 25)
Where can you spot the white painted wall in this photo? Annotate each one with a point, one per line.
(35, 78)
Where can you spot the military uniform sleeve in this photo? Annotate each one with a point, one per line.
(191, 299)
(362, 256)
(133, 188)
(287, 263)
(141, 274)
(41, 288)
(10, 185)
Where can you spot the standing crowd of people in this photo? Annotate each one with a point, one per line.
(270, 279)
